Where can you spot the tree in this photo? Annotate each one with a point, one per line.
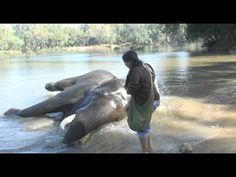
(99, 34)
(56, 36)
(133, 33)
(76, 37)
(33, 37)
(213, 36)
(8, 41)
(157, 34)
(174, 33)
(24, 33)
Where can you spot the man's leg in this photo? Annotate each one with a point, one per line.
(149, 143)
(144, 138)
(144, 143)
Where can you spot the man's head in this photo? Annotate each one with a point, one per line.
(131, 59)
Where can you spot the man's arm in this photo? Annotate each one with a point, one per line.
(134, 83)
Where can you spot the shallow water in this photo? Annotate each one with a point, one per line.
(198, 103)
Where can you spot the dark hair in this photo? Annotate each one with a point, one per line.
(131, 56)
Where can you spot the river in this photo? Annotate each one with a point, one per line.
(198, 103)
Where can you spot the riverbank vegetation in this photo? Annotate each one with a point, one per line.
(53, 38)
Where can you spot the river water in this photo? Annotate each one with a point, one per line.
(198, 103)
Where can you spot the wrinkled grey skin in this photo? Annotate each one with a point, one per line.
(101, 106)
(88, 97)
(72, 90)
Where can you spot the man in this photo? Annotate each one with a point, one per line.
(144, 97)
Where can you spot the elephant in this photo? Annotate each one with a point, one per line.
(104, 104)
(85, 102)
(72, 90)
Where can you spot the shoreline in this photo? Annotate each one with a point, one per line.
(57, 50)
(110, 48)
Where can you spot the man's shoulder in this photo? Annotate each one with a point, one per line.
(136, 69)
(137, 72)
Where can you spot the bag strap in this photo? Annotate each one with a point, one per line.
(146, 66)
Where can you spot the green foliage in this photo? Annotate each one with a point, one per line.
(35, 37)
(8, 41)
(76, 37)
(145, 34)
(133, 33)
(213, 36)
(156, 33)
(99, 34)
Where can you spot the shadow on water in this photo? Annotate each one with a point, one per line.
(216, 83)
(208, 53)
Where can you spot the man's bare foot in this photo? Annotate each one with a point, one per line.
(150, 150)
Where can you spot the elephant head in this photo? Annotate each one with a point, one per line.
(104, 104)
